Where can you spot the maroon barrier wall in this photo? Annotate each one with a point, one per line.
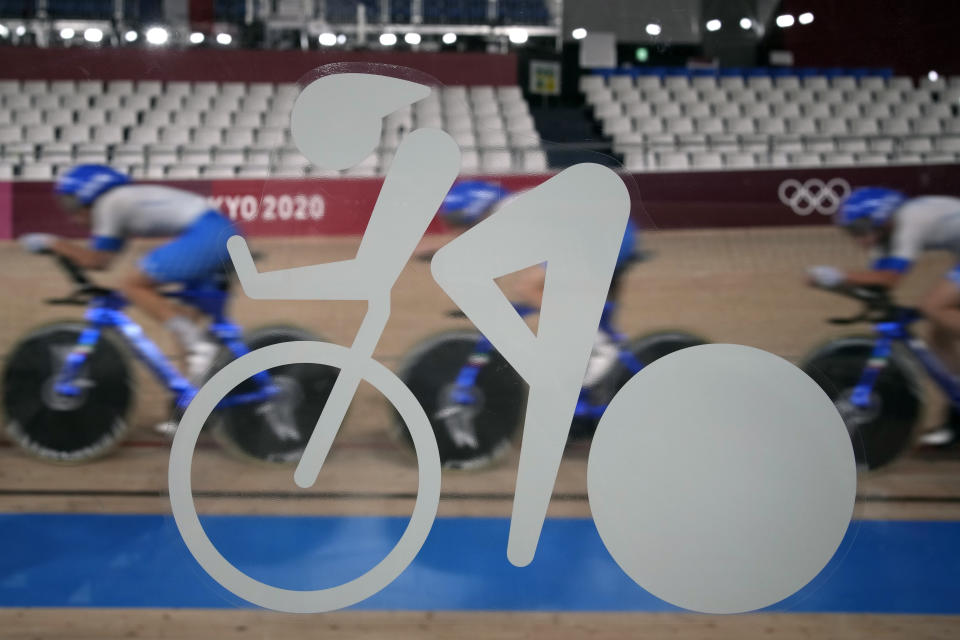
(910, 37)
(238, 65)
(661, 200)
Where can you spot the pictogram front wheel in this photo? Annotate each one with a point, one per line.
(290, 600)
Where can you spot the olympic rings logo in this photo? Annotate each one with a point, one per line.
(813, 195)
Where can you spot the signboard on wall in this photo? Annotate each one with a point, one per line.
(544, 77)
(598, 50)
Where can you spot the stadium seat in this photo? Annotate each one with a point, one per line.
(187, 119)
(820, 145)
(106, 101)
(916, 145)
(668, 110)
(253, 171)
(851, 145)
(237, 137)
(162, 154)
(533, 161)
(728, 110)
(937, 110)
(174, 135)
(464, 138)
(75, 133)
(707, 160)
(876, 110)
(206, 136)
(881, 145)
(143, 135)
(487, 139)
(846, 111)
(117, 117)
(196, 156)
(927, 126)
(156, 119)
(258, 157)
(771, 126)
(948, 143)
(39, 133)
(838, 159)
(904, 110)
(697, 110)
(756, 110)
(225, 156)
(29, 116)
(496, 161)
(672, 160)
(58, 117)
(91, 154)
(739, 159)
(219, 171)
(183, 172)
(895, 126)
(817, 110)
(136, 102)
(872, 158)
(34, 171)
(107, 134)
(843, 82)
(864, 127)
(469, 160)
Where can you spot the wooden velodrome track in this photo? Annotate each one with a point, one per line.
(739, 286)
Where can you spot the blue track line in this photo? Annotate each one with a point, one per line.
(60, 560)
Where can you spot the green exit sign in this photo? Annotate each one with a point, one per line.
(642, 54)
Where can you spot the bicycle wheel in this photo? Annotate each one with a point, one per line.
(645, 349)
(276, 431)
(470, 435)
(290, 600)
(884, 429)
(58, 428)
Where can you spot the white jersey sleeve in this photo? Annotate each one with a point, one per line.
(143, 211)
(921, 224)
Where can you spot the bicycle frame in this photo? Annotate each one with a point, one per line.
(480, 357)
(889, 333)
(106, 312)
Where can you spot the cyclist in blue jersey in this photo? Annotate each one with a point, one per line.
(898, 229)
(106, 201)
(469, 202)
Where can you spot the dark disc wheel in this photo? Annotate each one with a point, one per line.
(276, 431)
(66, 428)
(645, 350)
(883, 429)
(474, 426)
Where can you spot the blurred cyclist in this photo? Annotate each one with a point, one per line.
(469, 202)
(106, 201)
(898, 229)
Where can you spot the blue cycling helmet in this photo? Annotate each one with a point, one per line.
(468, 202)
(87, 182)
(869, 207)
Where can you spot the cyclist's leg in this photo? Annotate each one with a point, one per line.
(198, 253)
(941, 307)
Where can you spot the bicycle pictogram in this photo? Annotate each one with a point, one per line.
(573, 222)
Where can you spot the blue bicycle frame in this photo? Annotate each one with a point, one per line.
(106, 312)
(898, 330)
(480, 356)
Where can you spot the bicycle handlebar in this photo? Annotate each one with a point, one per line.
(86, 288)
(878, 306)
